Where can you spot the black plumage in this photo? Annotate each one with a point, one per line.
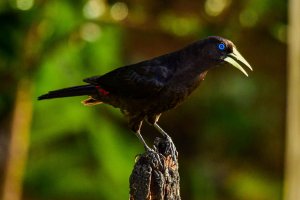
(146, 89)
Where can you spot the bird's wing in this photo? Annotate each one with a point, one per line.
(142, 80)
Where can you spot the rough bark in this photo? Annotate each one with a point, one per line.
(155, 175)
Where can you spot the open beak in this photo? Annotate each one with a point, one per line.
(235, 58)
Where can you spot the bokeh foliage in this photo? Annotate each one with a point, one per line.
(229, 134)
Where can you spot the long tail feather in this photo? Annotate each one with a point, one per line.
(69, 92)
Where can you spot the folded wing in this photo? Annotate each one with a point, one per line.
(142, 80)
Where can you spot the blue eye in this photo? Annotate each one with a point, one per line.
(221, 46)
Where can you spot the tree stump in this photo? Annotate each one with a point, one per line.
(155, 175)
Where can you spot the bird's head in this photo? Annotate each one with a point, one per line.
(217, 50)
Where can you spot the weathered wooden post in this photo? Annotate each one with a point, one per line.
(155, 175)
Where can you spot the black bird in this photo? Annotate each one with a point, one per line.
(143, 91)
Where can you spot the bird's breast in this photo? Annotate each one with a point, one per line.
(172, 95)
(177, 92)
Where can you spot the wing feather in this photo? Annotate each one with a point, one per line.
(141, 80)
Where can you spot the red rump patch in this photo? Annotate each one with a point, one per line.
(102, 91)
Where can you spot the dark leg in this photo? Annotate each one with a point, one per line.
(135, 126)
(152, 120)
(157, 127)
(138, 134)
(167, 137)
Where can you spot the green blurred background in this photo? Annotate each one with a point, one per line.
(229, 134)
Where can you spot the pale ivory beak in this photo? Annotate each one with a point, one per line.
(235, 56)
